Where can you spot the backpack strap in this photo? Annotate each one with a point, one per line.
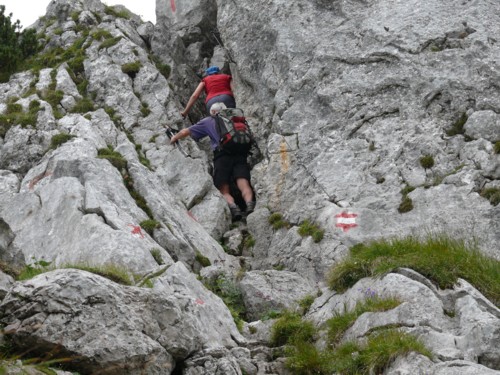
(218, 128)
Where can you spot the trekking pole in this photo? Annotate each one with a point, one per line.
(170, 133)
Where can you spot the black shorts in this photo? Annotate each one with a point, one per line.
(230, 167)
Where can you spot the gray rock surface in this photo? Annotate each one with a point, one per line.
(345, 99)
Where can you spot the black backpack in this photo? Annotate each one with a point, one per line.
(235, 136)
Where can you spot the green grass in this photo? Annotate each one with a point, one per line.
(84, 105)
(496, 147)
(132, 68)
(149, 226)
(458, 126)
(59, 139)
(406, 204)
(307, 228)
(440, 258)
(305, 303)
(164, 69)
(203, 260)
(427, 161)
(109, 42)
(101, 34)
(230, 293)
(492, 194)
(114, 157)
(156, 254)
(290, 328)
(14, 115)
(277, 221)
(112, 272)
(341, 322)
(109, 10)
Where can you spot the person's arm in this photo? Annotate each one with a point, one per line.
(181, 134)
(193, 98)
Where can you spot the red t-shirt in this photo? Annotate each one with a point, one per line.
(217, 84)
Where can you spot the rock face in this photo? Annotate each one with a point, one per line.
(373, 119)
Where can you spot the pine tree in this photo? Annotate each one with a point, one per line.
(14, 44)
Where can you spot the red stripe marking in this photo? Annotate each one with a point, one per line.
(172, 5)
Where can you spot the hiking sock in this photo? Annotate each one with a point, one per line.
(250, 207)
(235, 212)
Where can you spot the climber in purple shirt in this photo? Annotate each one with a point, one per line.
(226, 166)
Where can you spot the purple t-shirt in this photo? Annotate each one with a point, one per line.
(203, 128)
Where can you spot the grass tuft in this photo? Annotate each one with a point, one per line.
(440, 258)
(458, 126)
(492, 194)
(231, 294)
(427, 161)
(406, 204)
(149, 226)
(59, 139)
(290, 328)
(341, 322)
(310, 229)
(203, 260)
(277, 221)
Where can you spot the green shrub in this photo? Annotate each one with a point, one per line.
(492, 194)
(59, 139)
(427, 161)
(438, 257)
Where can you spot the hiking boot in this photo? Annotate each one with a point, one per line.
(236, 214)
(250, 208)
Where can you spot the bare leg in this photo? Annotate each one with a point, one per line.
(245, 188)
(225, 191)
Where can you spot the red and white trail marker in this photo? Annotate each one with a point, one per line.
(346, 221)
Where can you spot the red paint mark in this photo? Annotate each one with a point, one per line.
(346, 221)
(136, 230)
(172, 5)
(199, 301)
(190, 214)
(37, 179)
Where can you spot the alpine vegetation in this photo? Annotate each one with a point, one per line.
(222, 193)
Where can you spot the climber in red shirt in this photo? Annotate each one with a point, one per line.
(217, 88)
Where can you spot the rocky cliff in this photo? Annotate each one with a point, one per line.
(374, 119)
